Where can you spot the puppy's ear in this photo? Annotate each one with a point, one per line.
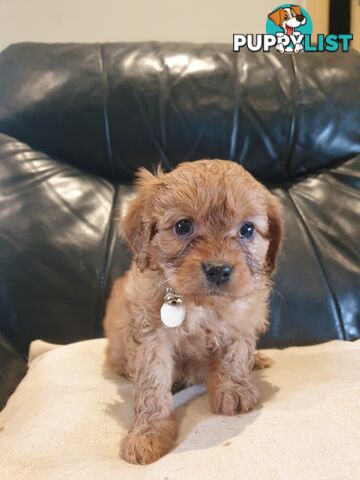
(296, 9)
(276, 16)
(137, 225)
(275, 232)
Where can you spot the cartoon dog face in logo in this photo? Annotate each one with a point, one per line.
(288, 19)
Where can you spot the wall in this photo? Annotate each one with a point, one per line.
(136, 20)
(319, 12)
(355, 23)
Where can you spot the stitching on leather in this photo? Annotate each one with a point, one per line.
(340, 320)
(163, 97)
(105, 108)
(104, 275)
(110, 237)
(149, 129)
(294, 123)
(235, 113)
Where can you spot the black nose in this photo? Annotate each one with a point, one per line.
(218, 274)
(300, 18)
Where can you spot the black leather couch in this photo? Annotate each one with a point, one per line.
(77, 120)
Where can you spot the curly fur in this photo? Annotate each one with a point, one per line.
(216, 342)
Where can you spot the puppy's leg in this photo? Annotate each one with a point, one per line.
(154, 429)
(229, 386)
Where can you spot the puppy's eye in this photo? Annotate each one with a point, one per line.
(247, 230)
(286, 17)
(184, 227)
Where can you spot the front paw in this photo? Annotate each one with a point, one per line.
(142, 446)
(233, 398)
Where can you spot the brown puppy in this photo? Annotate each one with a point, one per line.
(211, 232)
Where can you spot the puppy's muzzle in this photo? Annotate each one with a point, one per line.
(218, 274)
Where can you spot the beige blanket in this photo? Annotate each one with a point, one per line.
(67, 416)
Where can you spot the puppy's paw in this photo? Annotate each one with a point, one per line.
(262, 361)
(149, 444)
(233, 398)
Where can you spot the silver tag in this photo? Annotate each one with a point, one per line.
(172, 312)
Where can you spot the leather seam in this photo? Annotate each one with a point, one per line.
(293, 124)
(104, 275)
(105, 108)
(340, 320)
(235, 112)
(163, 97)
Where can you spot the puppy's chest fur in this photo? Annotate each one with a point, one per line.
(207, 330)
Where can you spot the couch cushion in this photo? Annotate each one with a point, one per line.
(111, 108)
(67, 416)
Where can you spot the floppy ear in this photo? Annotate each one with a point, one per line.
(296, 9)
(276, 16)
(137, 225)
(275, 232)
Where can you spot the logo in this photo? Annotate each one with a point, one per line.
(289, 24)
(288, 30)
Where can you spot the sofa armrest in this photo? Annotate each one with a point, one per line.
(12, 369)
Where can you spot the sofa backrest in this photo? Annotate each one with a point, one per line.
(111, 108)
(76, 121)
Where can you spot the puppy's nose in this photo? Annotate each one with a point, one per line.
(300, 18)
(218, 274)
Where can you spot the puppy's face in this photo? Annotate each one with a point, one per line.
(288, 18)
(208, 226)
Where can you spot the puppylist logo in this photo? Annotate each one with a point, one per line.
(288, 30)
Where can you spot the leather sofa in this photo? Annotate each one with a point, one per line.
(77, 120)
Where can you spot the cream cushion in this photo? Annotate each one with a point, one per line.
(67, 416)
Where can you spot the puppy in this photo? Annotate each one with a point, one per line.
(210, 232)
(288, 19)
